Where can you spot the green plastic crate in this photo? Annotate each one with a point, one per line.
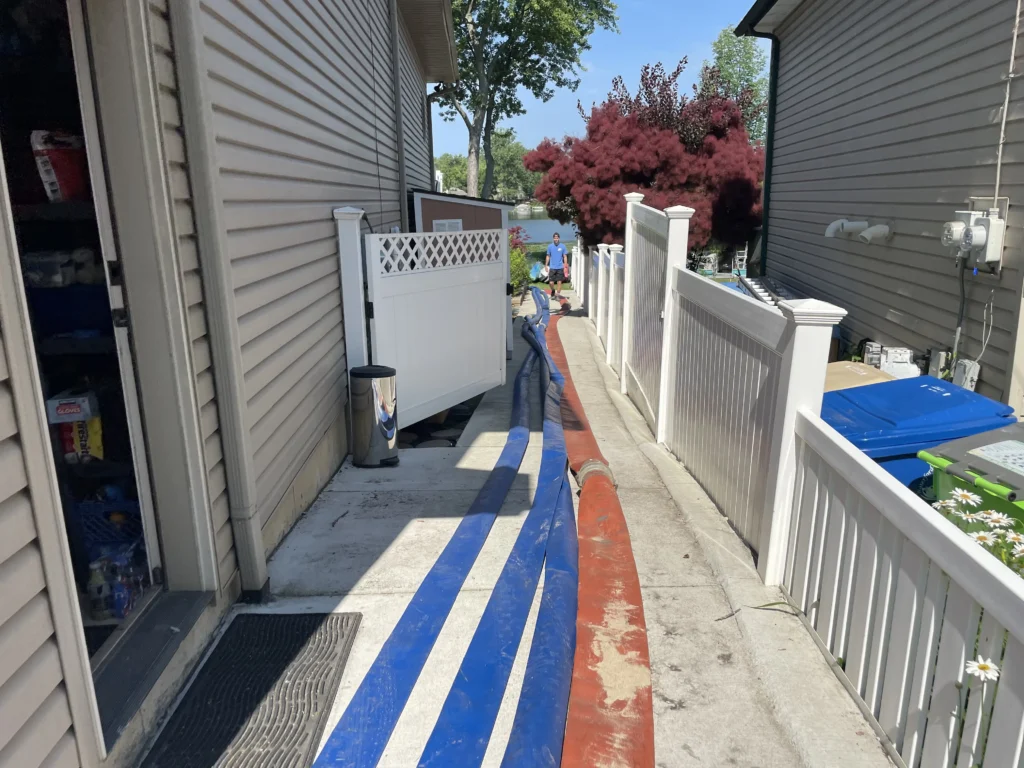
(993, 496)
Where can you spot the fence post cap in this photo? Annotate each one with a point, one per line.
(812, 312)
(679, 212)
(348, 213)
(634, 197)
(602, 246)
(616, 247)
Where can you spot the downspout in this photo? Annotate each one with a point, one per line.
(396, 83)
(221, 318)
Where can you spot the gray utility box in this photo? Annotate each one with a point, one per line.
(374, 416)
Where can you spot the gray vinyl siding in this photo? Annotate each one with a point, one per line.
(35, 719)
(175, 155)
(304, 122)
(889, 110)
(414, 115)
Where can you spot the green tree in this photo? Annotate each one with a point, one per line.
(511, 180)
(453, 167)
(508, 45)
(743, 65)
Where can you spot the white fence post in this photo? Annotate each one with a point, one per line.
(353, 297)
(602, 292)
(614, 323)
(632, 200)
(678, 237)
(801, 385)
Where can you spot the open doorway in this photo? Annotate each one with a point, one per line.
(73, 286)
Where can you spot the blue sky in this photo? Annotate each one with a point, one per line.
(649, 31)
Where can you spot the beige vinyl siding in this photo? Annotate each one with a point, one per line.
(188, 258)
(413, 88)
(304, 122)
(35, 718)
(889, 111)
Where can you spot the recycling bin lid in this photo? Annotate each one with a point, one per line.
(372, 372)
(892, 418)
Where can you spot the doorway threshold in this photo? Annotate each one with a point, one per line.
(128, 673)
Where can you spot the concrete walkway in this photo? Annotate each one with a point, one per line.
(372, 536)
(734, 685)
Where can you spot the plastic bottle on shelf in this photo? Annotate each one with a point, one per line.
(99, 590)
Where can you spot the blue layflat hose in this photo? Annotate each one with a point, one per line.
(467, 718)
(361, 735)
(539, 725)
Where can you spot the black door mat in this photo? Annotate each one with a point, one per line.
(263, 695)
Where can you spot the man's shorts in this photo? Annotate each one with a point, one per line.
(556, 276)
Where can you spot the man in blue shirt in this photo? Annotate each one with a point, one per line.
(557, 265)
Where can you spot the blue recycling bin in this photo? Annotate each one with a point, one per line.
(892, 420)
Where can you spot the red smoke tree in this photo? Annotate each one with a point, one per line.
(675, 150)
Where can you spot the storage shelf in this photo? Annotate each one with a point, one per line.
(72, 210)
(70, 345)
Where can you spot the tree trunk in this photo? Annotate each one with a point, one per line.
(476, 130)
(488, 190)
(473, 166)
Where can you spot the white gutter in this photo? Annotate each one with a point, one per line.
(215, 265)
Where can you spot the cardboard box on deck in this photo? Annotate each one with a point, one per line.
(847, 375)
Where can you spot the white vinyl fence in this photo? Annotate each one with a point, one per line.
(593, 269)
(896, 595)
(647, 234)
(616, 296)
(397, 293)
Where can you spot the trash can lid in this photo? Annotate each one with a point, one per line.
(891, 418)
(372, 372)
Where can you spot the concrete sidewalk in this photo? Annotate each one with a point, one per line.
(733, 684)
(373, 535)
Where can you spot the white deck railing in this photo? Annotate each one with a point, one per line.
(901, 599)
(894, 594)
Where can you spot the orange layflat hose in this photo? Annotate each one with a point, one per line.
(610, 723)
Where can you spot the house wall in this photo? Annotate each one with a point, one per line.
(414, 116)
(176, 160)
(35, 717)
(890, 110)
(473, 216)
(303, 110)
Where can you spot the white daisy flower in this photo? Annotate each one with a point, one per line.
(947, 504)
(970, 517)
(983, 668)
(998, 519)
(1018, 550)
(984, 537)
(1013, 537)
(965, 497)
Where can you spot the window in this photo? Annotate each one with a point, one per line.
(446, 225)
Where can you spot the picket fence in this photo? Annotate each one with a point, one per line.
(893, 593)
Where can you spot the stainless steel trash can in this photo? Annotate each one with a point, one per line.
(374, 416)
